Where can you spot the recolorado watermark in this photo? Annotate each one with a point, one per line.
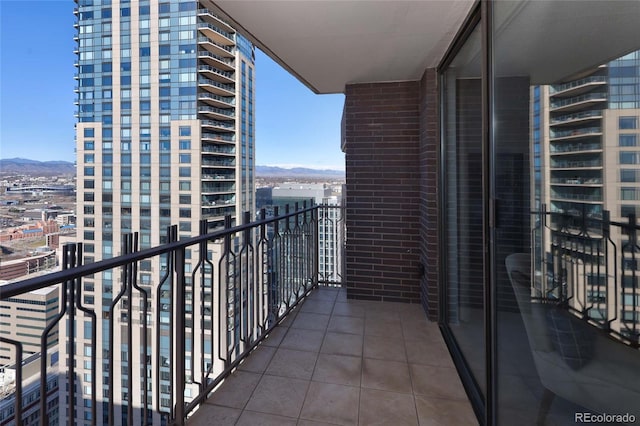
(587, 417)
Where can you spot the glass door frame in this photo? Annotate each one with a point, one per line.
(484, 407)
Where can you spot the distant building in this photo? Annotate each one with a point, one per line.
(23, 318)
(331, 221)
(30, 391)
(41, 190)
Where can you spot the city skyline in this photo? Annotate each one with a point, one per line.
(309, 137)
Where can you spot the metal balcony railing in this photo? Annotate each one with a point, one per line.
(577, 83)
(216, 296)
(590, 265)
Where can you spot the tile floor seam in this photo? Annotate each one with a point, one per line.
(262, 374)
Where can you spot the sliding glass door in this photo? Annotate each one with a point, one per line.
(463, 201)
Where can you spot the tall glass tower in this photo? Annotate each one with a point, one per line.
(165, 135)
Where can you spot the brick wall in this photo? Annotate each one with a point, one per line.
(381, 135)
(429, 224)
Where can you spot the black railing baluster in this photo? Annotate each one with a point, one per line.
(94, 334)
(17, 405)
(172, 237)
(180, 330)
(265, 269)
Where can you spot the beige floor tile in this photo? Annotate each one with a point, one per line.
(348, 309)
(286, 322)
(259, 359)
(413, 312)
(236, 389)
(438, 382)
(311, 321)
(382, 327)
(282, 396)
(382, 347)
(429, 352)
(421, 330)
(251, 418)
(208, 415)
(342, 324)
(338, 369)
(292, 363)
(324, 293)
(317, 307)
(303, 340)
(275, 336)
(327, 402)
(381, 408)
(303, 422)
(386, 375)
(444, 412)
(342, 344)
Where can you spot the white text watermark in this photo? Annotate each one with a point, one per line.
(587, 417)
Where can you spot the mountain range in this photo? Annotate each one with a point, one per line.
(24, 166)
(64, 168)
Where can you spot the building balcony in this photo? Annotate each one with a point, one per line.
(577, 164)
(575, 133)
(224, 126)
(215, 87)
(216, 101)
(334, 360)
(218, 137)
(294, 347)
(214, 33)
(217, 61)
(216, 74)
(218, 50)
(577, 87)
(571, 148)
(216, 113)
(575, 103)
(571, 119)
(208, 16)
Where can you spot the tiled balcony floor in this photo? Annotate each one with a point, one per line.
(335, 361)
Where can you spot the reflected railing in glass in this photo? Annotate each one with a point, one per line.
(591, 266)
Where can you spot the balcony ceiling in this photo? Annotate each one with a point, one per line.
(328, 44)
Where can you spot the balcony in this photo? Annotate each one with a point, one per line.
(217, 113)
(228, 126)
(216, 74)
(218, 50)
(575, 133)
(575, 118)
(213, 32)
(217, 100)
(578, 86)
(216, 60)
(577, 102)
(292, 347)
(339, 361)
(215, 87)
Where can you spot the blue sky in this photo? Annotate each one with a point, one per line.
(294, 127)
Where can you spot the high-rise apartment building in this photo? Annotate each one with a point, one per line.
(585, 139)
(165, 135)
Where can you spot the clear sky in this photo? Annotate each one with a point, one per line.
(294, 127)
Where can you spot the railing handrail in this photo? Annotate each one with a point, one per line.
(36, 283)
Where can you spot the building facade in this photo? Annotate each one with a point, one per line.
(23, 319)
(165, 135)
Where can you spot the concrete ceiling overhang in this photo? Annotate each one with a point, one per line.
(328, 43)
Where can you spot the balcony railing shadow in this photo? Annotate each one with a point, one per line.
(171, 322)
